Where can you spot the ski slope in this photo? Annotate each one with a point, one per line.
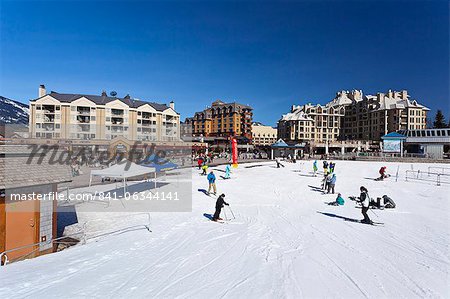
(284, 243)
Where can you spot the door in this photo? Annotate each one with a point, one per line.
(22, 228)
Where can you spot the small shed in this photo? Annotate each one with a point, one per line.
(282, 149)
(28, 201)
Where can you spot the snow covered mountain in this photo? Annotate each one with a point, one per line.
(13, 112)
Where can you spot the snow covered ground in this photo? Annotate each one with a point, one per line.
(284, 243)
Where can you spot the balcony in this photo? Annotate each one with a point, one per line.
(83, 119)
(117, 120)
(84, 110)
(116, 112)
(49, 118)
(48, 109)
(83, 128)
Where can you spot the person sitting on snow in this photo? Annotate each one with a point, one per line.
(212, 182)
(338, 202)
(219, 205)
(388, 202)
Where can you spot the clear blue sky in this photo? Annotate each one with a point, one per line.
(266, 54)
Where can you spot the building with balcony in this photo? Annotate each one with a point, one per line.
(351, 115)
(263, 135)
(223, 120)
(101, 117)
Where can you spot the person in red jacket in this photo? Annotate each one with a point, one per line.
(383, 174)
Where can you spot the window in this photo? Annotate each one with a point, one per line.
(438, 133)
(93, 118)
(58, 107)
(57, 126)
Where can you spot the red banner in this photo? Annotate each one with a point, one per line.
(234, 151)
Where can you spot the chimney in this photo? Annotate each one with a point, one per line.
(172, 105)
(127, 97)
(390, 95)
(42, 91)
(404, 94)
(103, 93)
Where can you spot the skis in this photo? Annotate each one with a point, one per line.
(373, 223)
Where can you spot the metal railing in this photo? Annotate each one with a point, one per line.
(443, 170)
(435, 177)
(96, 234)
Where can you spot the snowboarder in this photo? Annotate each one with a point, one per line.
(364, 199)
(212, 182)
(383, 174)
(338, 202)
(219, 205)
(227, 171)
(315, 167)
(331, 182)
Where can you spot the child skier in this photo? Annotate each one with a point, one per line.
(364, 199)
(212, 182)
(219, 205)
(204, 168)
(315, 167)
(278, 162)
(332, 167)
(227, 171)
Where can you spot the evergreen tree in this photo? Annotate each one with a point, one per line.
(439, 120)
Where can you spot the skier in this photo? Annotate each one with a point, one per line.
(315, 167)
(332, 182)
(212, 182)
(332, 165)
(199, 163)
(227, 171)
(325, 166)
(339, 201)
(278, 162)
(204, 168)
(364, 199)
(325, 180)
(219, 205)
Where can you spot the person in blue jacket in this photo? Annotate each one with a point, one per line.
(332, 183)
(315, 167)
(227, 171)
(212, 182)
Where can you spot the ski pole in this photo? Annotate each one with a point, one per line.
(225, 214)
(231, 212)
(374, 213)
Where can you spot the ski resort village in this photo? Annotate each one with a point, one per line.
(224, 150)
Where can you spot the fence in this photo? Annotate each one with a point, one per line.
(438, 178)
(439, 169)
(84, 237)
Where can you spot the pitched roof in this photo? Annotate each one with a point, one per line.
(393, 135)
(103, 99)
(16, 172)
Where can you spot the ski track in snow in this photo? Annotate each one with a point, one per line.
(279, 246)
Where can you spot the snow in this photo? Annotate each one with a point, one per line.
(280, 245)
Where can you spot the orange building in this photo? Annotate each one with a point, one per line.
(223, 120)
(28, 212)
